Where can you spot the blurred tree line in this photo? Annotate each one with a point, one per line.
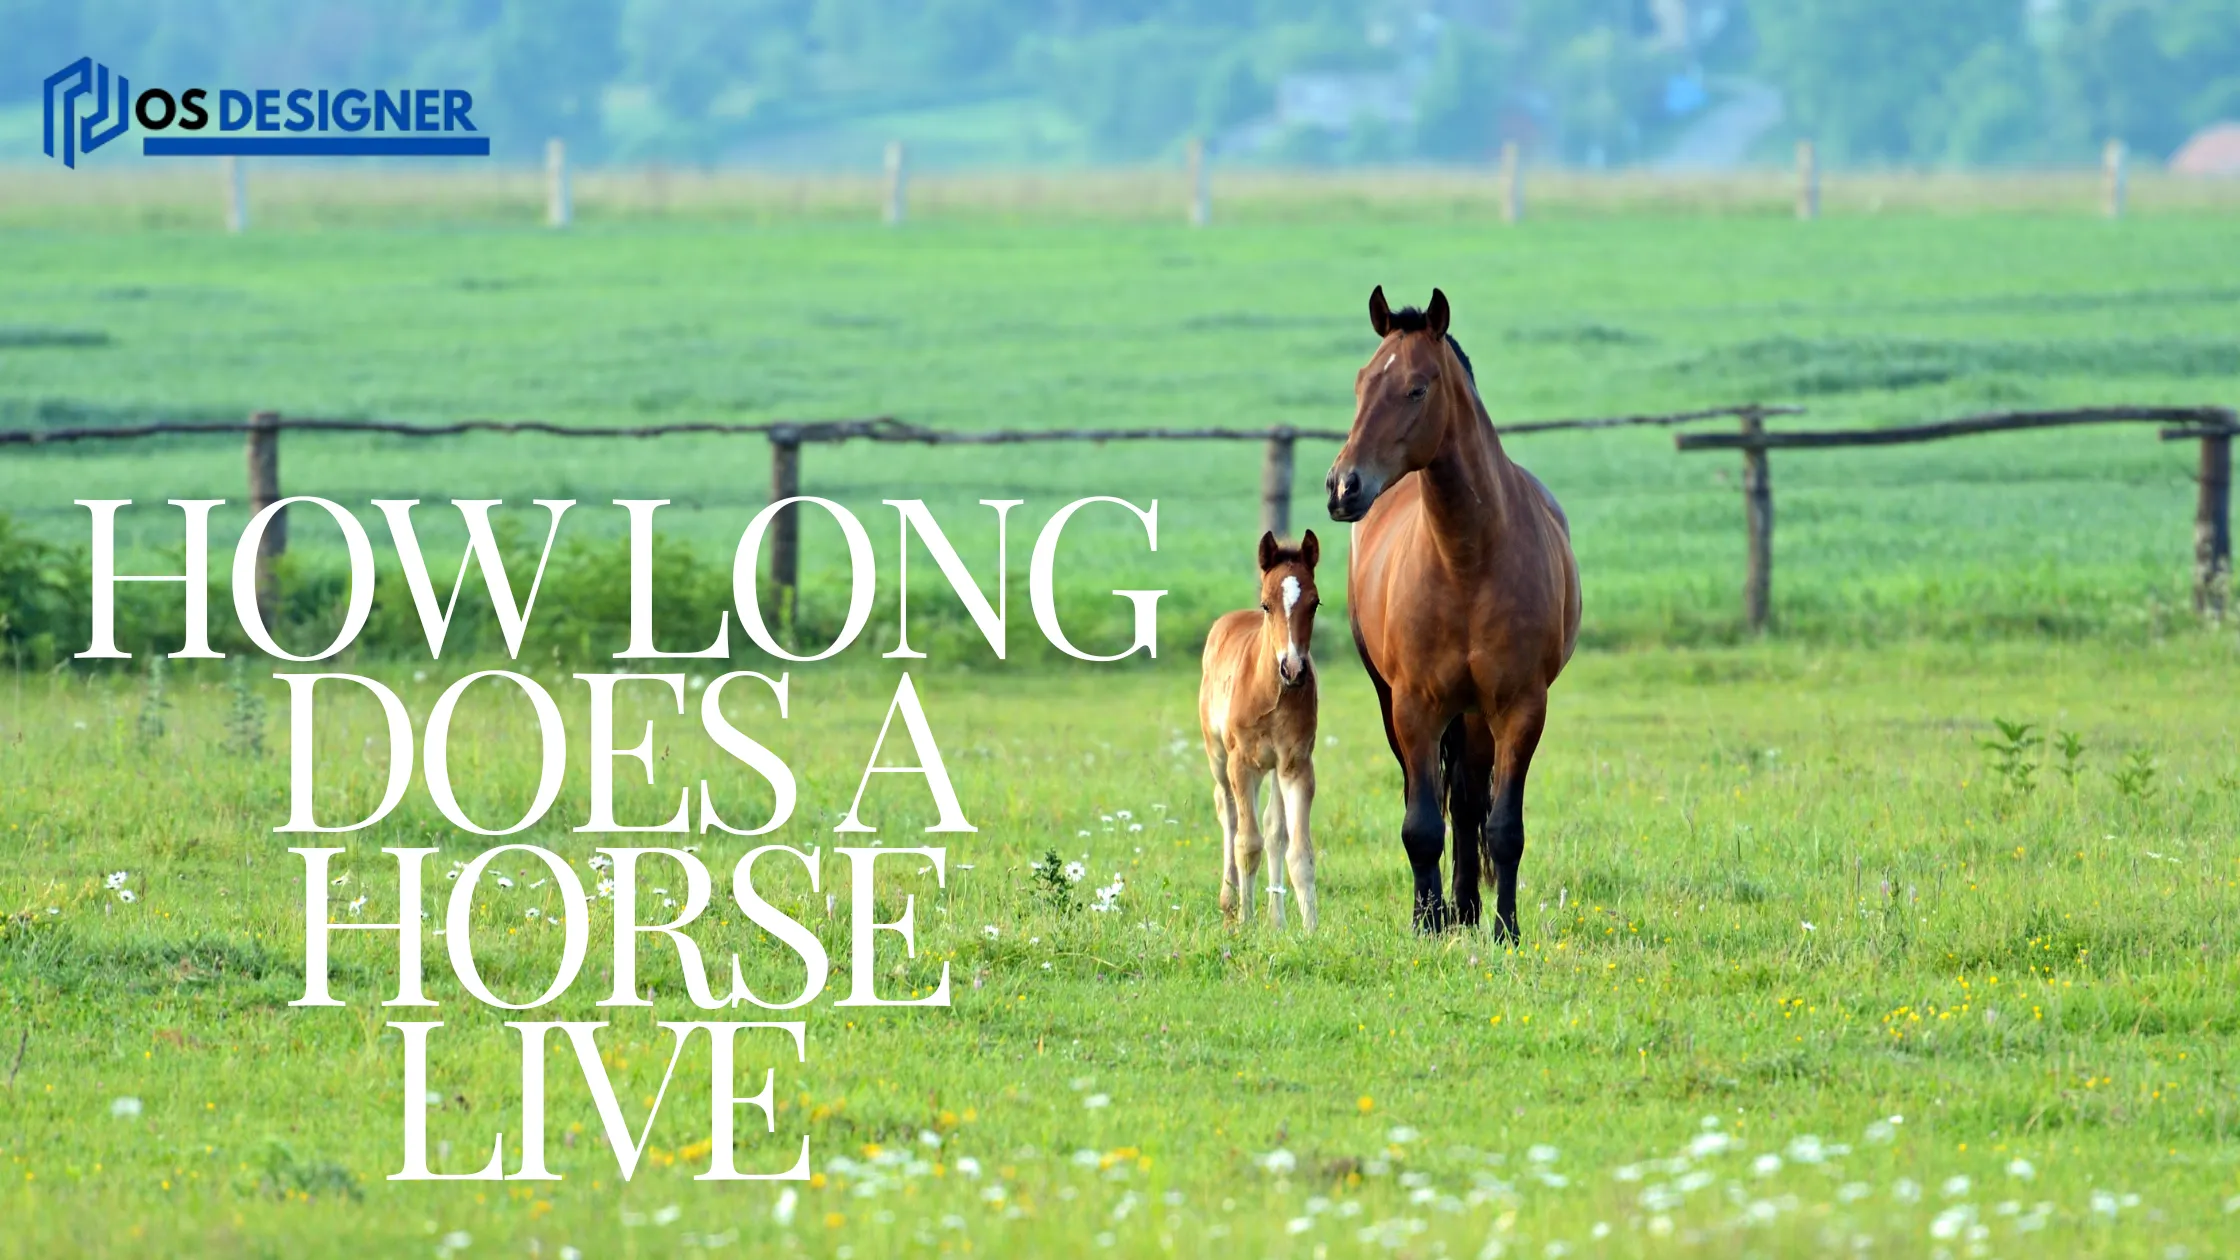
(1584, 81)
(1967, 82)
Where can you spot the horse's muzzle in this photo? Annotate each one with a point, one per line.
(1348, 502)
(1291, 674)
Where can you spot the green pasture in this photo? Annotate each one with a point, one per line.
(1804, 972)
(1807, 968)
(981, 322)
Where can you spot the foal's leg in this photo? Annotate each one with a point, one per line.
(1295, 783)
(1244, 785)
(1515, 741)
(1225, 812)
(1417, 727)
(1278, 832)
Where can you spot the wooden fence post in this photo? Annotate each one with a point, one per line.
(1512, 182)
(1808, 181)
(237, 194)
(1201, 188)
(1757, 506)
(1275, 482)
(559, 206)
(898, 185)
(264, 491)
(785, 531)
(2212, 526)
(2111, 180)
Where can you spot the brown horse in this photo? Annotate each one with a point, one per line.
(1465, 602)
(1256, 711)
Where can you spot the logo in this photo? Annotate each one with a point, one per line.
(264, 122)
(84, 77)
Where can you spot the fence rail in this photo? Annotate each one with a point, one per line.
(870, 429)
(2214, 420)
(2213, 427)
(786, 438)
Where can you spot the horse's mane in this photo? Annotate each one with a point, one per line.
(1412, 319)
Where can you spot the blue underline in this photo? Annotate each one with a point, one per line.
(315, 146)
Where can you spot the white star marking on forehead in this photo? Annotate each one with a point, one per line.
(1389, 360)
(1290, 593)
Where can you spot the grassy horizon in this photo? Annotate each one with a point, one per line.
(328, 195)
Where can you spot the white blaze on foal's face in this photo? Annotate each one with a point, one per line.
(1290, 627)
(1291, 606)
(1288, 600)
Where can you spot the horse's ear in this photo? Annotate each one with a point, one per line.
(1267, 551)
(1435, 316)
(1310, 550)
(1380, 313)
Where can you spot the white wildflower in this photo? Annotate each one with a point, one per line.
(127, 896)
(124, 1108)
(116, 879)
(991, 931)
(1096, 1102)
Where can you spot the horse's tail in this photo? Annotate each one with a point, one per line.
(1469, 797)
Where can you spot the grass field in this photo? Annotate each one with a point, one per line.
(978, 324)
(1776, 900)
(1806, 967)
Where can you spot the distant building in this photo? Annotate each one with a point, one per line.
(2213, 150)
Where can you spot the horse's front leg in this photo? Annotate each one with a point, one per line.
(1277, 831)
(1296, 783)
(1244, 790)
(1423, 829)
(1225, 813)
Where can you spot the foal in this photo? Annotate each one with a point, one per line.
(1256, 710)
